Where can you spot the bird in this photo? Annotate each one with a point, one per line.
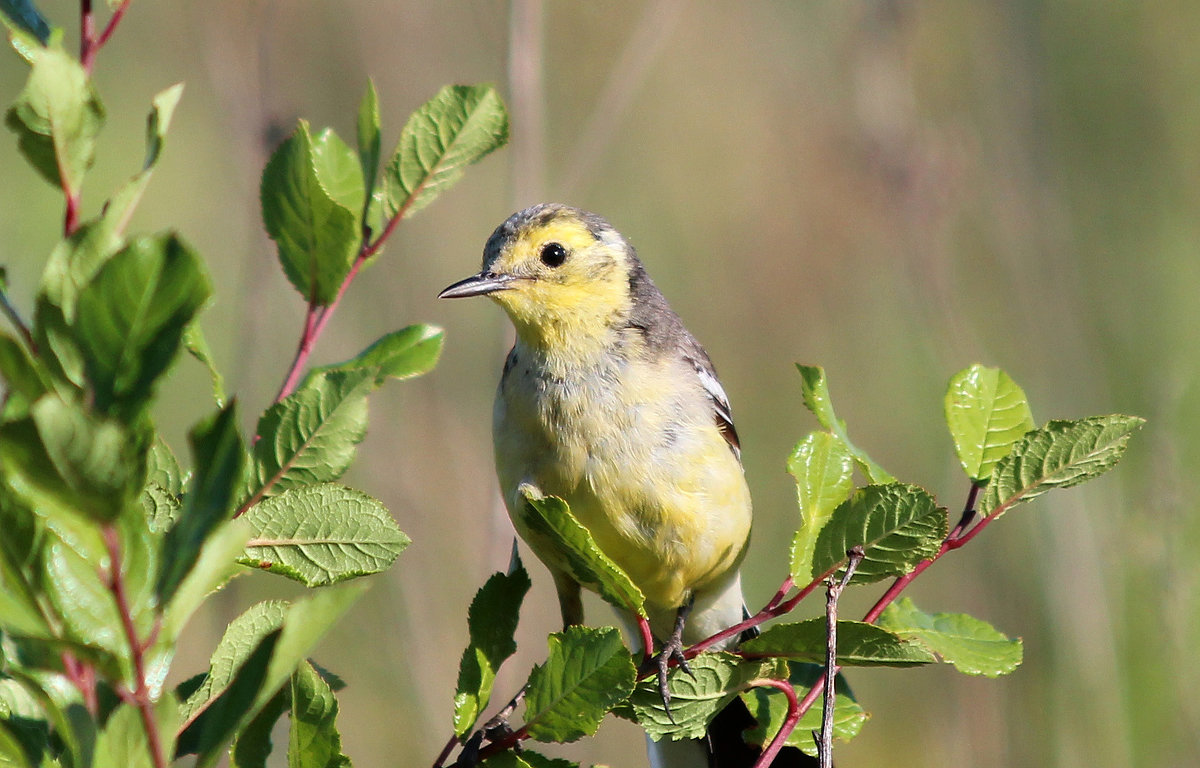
(608, 402)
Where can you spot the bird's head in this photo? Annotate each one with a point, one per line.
(557, 271)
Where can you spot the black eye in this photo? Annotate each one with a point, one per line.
(553, 254)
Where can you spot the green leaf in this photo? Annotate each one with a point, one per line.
(858, 645)
(815, 391)
(554, 533)
(123, 743)
(252, 745)
(69, 463)
(987, 413)
(120, 207)
(768, 706)
(973, 646)
(131, 317)
(457, 127)
(315, 232)
(74, 263)
(310, 436)
(492, 622)
(338, 169)
(162, 468)
(307, 622)
(402, 354)
(824, 472)
(81, 599)
(197, 347)
(212, 569)
(1059, 455)
(21, 613)
(322, 534)
(717, 678)
(369, 139)
(218, 456)
(22, 747)
(210, 723)
(588, 672)
(526, 759)
(57, 347)
(24, 16)
(23, 378)
(315, 741)
(57, 118)
(897, 526)
(242, 638)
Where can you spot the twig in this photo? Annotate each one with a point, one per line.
(89, 42)
(794, 714)
(957, 539)
(776, 607)
(83, 677)
(318, 315)
(963, 532)
(832, 594)
(140, 695)
(446, 750)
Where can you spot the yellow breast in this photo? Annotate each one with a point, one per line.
(636, 453)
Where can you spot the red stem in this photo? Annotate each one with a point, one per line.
(89, 42)
(83, 677)
(647, 637)
(318, 316)
(140, 694)
(87, 35)
(111, 27)
(771, 610)
(446, 750)
(789, 723)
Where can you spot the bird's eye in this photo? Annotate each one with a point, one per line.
(553, 254)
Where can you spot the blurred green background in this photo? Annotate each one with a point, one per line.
(891, 190)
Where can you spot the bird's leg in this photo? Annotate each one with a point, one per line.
(672, 650)
(570, 601)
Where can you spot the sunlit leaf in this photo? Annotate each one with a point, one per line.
(716, 679)
(824, 472)
(57, 119)
(1058, 455)
(587, 672)
(553, 532)
(897, 526)
(315, 231)
(858, 645)
(973, 646)
(987, 413)
(457, 127)
(322, 534)
(815, 390)
(492, 622)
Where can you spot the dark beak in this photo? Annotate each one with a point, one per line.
(477, 285)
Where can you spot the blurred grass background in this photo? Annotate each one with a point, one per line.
(890, 189)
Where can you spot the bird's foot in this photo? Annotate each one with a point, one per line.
(672, 650)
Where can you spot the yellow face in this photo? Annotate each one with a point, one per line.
(556, 271)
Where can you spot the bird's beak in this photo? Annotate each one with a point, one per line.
(477, 285)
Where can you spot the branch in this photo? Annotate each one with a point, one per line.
(318, 316)
(794, 714)
(89, 42)
(957, 538)
(140, 695)
(832, 594)
(775, 607)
